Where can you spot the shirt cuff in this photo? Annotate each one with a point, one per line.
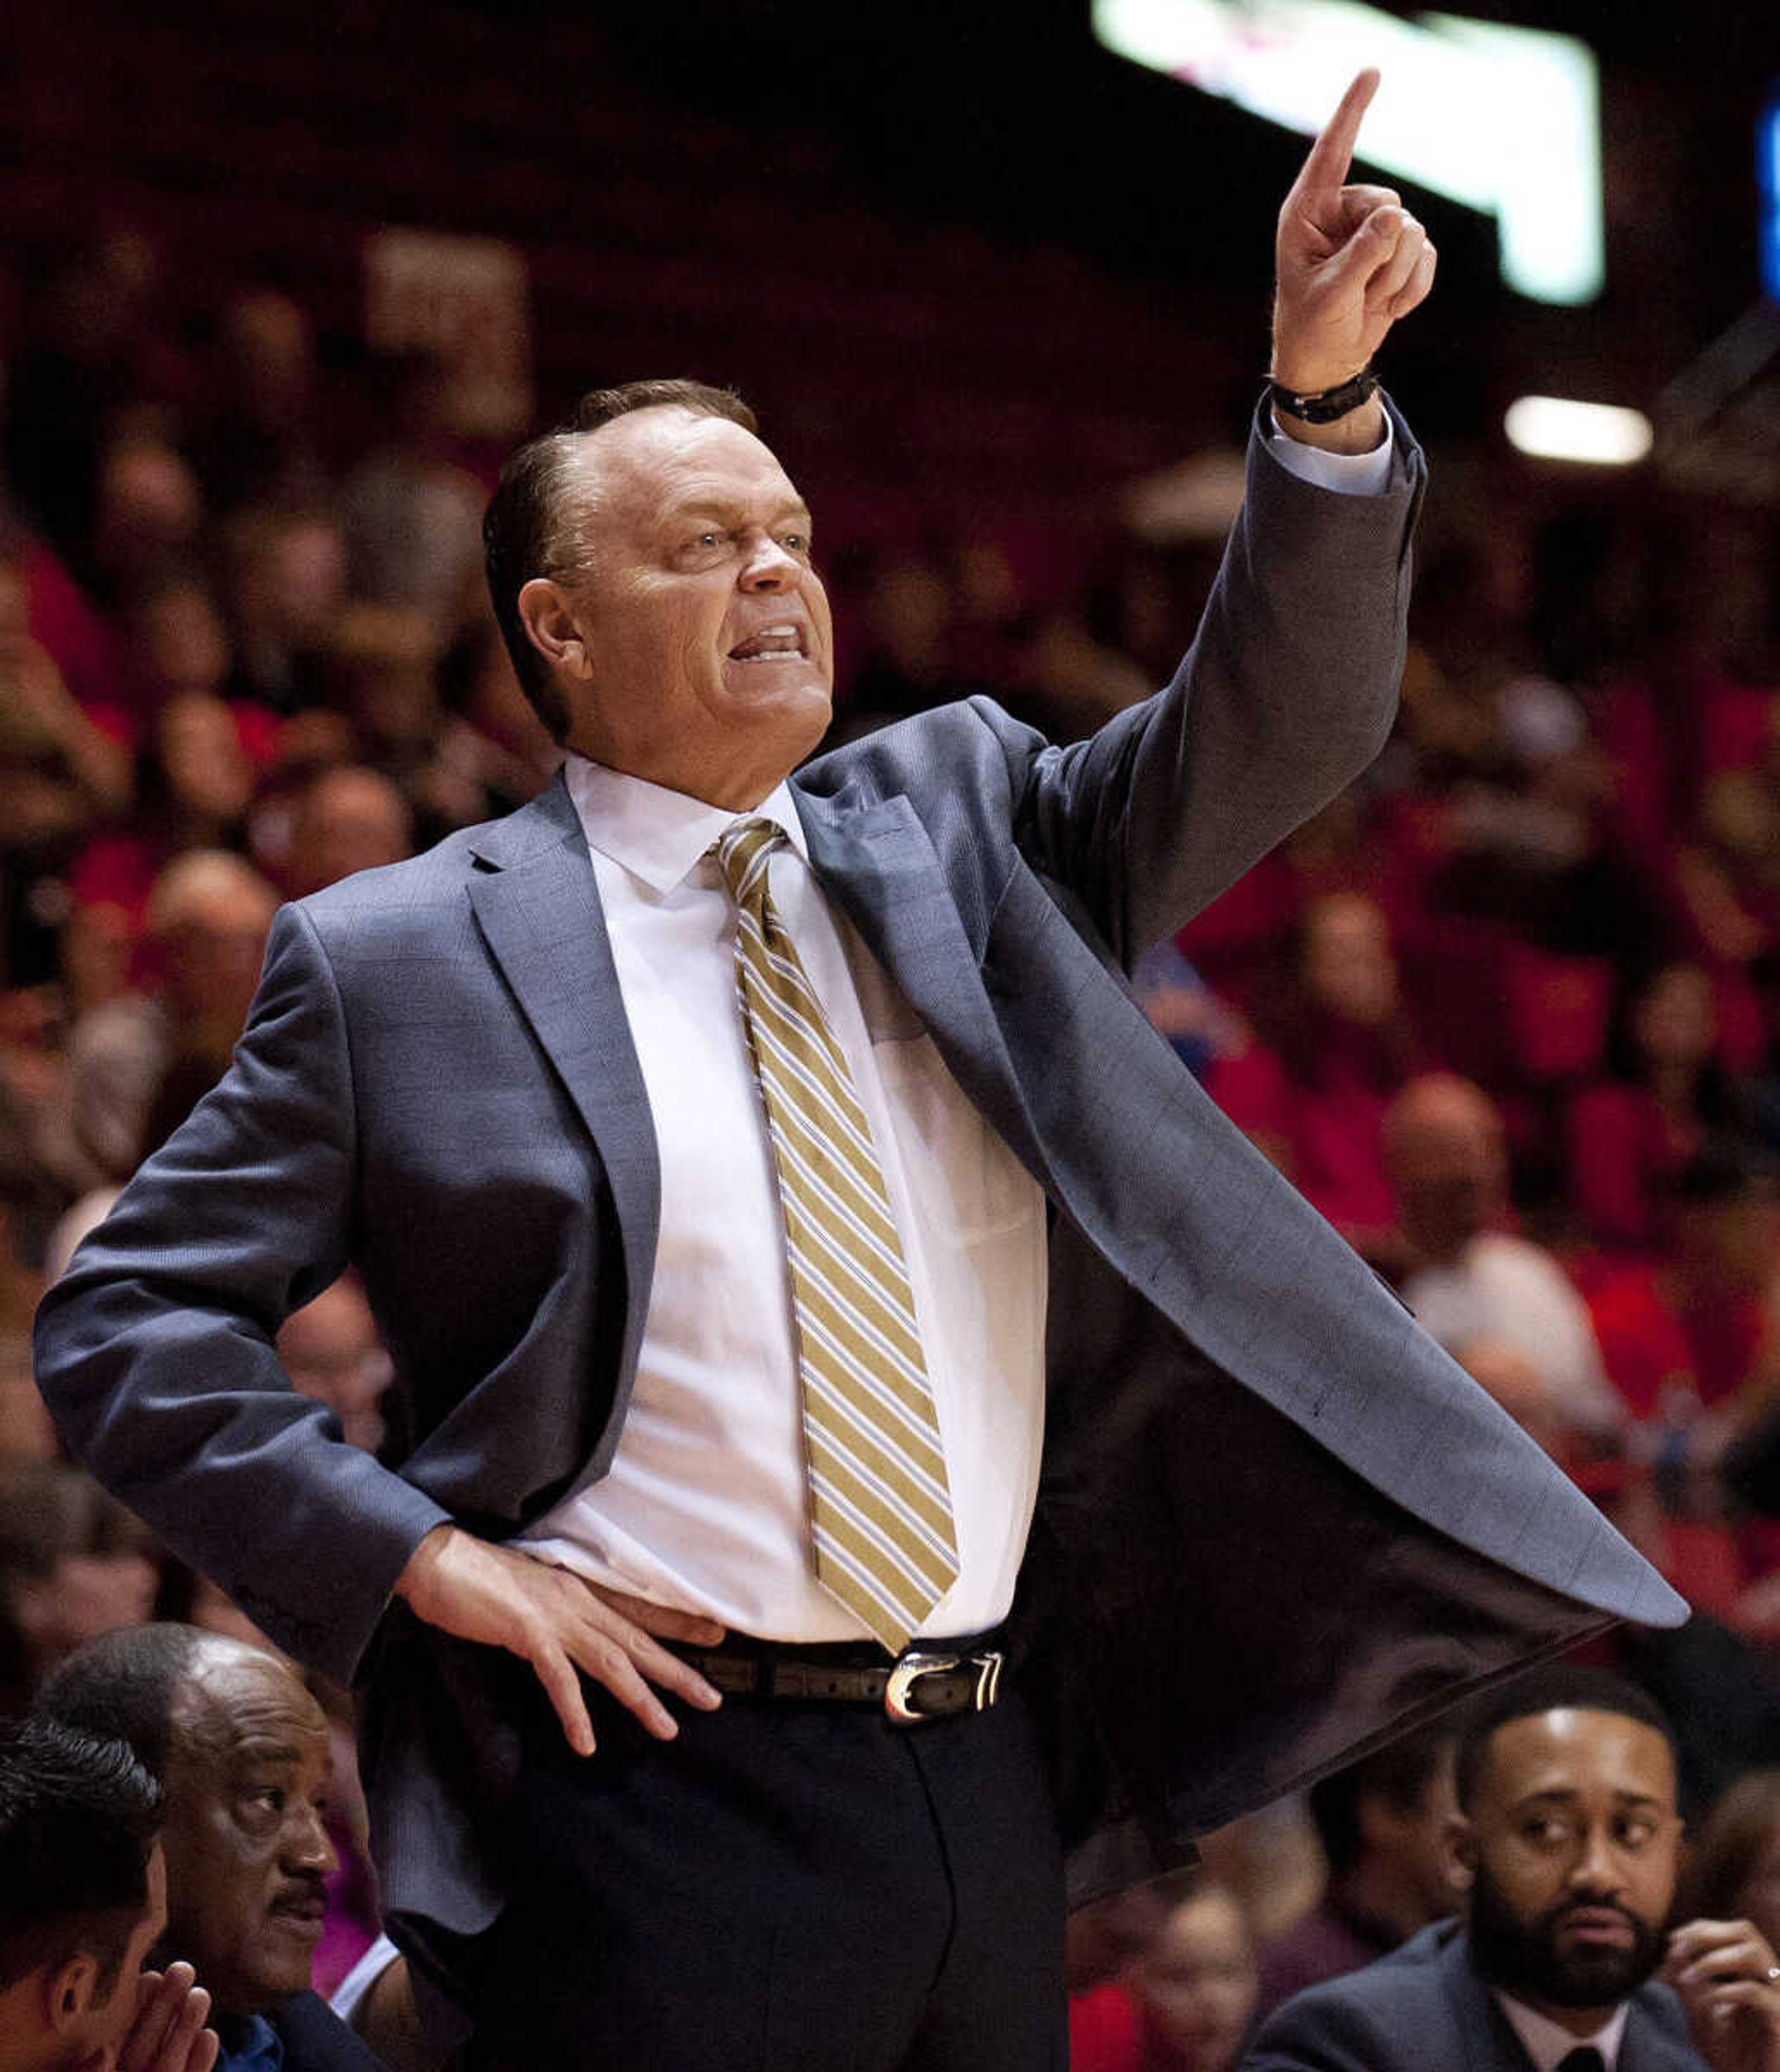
(1353, 474)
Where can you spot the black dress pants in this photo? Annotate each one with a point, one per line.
(785, 1888)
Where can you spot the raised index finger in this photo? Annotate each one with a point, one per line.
(1333, 152)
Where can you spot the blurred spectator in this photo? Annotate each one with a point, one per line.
(25, 1432)
(41, 725)
(1693, 1334)
(990, 620)
(384, 663)
(1384, 1823)
(512, 753)
(255, 441)
(59, 771)
(132, 1061)
(95, 947)
(905, 665)
(243, 1757)
(287, 573)
(1105, 1939)
(1531, 839)
(73, 1564)
(1075, 683)
(1630, 1134)
(194, 781)
(1469, 1279)
(1198, 1025)
(147, 517)
(1512, 1380)
(413, 517)
(1338, 1044)
(344, 820)
(178, 636)
(330, 1350)
(1726, 872)
(205, 776)
(209, 916)
(1195, 1986)
(93, 348)
(1734, 1871)
(82, 1896)
(387, 673)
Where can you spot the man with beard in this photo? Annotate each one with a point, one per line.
(243, 1755)
(1567, 1841)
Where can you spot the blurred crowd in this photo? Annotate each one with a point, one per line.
(1508, 1012)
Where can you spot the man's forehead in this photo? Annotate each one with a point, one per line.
(1576, 1748)
(233, 1696)
(668, 456)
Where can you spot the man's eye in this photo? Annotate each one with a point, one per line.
(1546, 1834)
(1635, 1834)
(709, 540)
(797, 542)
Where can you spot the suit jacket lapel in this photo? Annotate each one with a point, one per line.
(1646, 2047)
(874, 858)
(1485, 2032)
(538, 908)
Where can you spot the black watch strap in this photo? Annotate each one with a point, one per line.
(1326, 405)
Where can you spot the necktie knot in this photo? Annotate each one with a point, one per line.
(741, 851)
(1583, 2058)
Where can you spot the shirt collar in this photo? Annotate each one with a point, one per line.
(1547, 2044)
(657, 834)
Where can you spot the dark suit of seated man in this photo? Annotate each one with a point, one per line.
(242, 1752)
(1567, 1841)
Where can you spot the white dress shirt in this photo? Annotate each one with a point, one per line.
(1548, 2045)
(706, 1506)
(1502, 1287)
(1353, 474)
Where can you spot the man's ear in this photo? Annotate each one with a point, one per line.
(1458, 1852)
(548, 618)
(69, 1987)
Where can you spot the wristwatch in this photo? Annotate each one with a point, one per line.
(1326, 405)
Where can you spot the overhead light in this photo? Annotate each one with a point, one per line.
(1502, 119)
(1600, 434)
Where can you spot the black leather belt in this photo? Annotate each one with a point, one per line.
(921, 1684)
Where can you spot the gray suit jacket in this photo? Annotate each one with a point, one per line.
(1276, 1522)
(1423, 2009)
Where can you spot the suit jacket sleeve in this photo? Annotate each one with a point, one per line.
(155, 1350)
(1287, 693)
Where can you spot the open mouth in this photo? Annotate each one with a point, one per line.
(783, 642)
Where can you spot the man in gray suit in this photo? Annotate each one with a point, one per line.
(543, 1087)
(1568, 1846)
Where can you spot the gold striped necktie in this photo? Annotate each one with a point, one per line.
(880, 1509)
